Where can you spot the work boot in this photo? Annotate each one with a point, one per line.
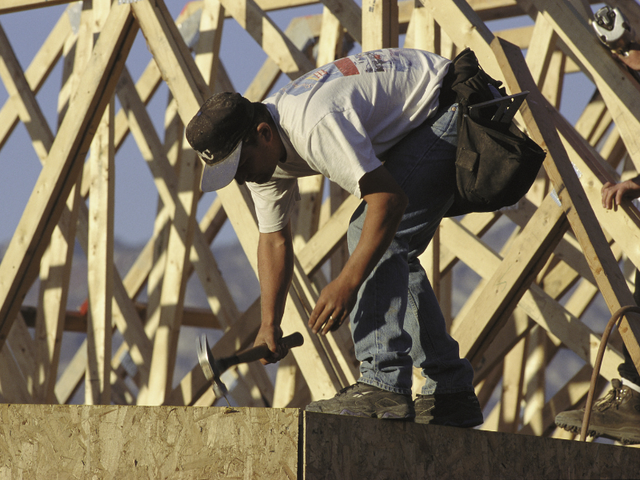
(364, 400)
(615, 416)
(460, 409)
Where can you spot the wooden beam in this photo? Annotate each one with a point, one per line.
(159, 32)
(380, 27)
(512, 383)
(11, 6)
(61, 169)
(35, 75)
(617, 86)
(331, 38)
(572, 198)
(350, 15)
(507, 284)
(100, 262)
(252, 18)
(535, 303)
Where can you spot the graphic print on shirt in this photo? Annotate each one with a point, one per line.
(366, 62)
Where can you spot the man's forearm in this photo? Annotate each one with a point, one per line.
(383, 216)
(386, 203)
(275, 270)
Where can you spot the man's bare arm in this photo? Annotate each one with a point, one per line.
(386, 203)
(275, 270)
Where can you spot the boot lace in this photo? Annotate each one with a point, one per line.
(612, 399)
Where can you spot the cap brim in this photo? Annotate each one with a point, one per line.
(219, 175)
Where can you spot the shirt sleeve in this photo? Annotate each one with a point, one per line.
(274, 202)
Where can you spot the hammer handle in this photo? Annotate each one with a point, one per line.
(261, 351)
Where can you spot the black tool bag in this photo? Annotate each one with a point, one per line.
(496, 163)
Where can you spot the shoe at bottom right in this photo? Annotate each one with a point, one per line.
(615, 416)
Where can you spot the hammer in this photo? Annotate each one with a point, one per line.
(213, 369)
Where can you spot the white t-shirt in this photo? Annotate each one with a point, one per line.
(339, 119)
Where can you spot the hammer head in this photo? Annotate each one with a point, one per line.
(209, 367)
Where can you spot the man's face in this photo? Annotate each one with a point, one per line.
(259, 161)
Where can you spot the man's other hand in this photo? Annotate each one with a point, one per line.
(614, 193)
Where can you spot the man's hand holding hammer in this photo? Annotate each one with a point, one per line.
(271, 335)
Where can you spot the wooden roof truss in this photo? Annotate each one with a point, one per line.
(563, 252)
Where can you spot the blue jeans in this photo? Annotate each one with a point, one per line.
(397, 322)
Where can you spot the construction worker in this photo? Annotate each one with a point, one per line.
(380, 125)
(617, 414)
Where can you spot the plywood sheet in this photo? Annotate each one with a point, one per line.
(343, 448)
(116, 442)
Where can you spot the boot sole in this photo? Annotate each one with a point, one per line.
(386, 415)
(624, 435)
(467, 423)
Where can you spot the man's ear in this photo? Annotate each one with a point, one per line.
(264, 130)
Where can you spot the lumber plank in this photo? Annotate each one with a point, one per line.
(276, 45)
(52, 299)
(591, 117)
(100, 262)
(461, 23)
(165, 179)
(36, 74)
(512, 383)
(23, 350)
(553, 82)
(337, 196)
(328, 238)
(56, 270)
(18, 88)
(569, 396)
(101, 172)
(207, 49)
(305, 223)
(11, 6)
(69, 381)
(534, 378)
(568, 250)
(535, 302)
(125, 315)
(286, 382)
(65, 159)
(617, 86)
(541, 49)
(163, 173)
(380, 27)
(422, 32)
(301, 31)
(330, 38)
(13, 386)
(571, 195)
(179, 244)
(325, 370)
(76, 321)
(350, 15)
(508, 282)
(517, 327)
(623, 224)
